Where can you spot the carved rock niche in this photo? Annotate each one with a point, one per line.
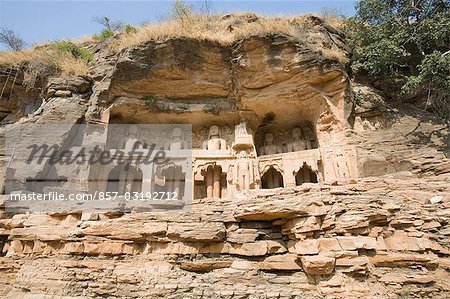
(284, 139)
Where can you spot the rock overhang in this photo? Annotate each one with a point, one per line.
(264, 74)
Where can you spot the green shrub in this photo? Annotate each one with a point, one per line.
(433, 78)
(103, 35)
(405, 46)
(129, 29)
(76, 51)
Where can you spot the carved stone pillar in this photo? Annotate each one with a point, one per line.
(122, 180)
(209, 182)
(147, 173)
(213, 186)
(216, 185)
(288, 174)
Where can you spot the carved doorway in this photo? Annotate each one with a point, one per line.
(305, 175)
(123, 180)
(272, 179)
(173, 181)
(213, 185)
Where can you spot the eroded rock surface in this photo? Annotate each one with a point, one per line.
(370, 239)
(374, 223)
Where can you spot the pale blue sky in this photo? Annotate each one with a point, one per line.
(37, 21)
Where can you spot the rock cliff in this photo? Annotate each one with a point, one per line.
(376, 225)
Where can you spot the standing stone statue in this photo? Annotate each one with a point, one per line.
(213, 172)
(129, 173)
(243, 175)
(170, 177)
(358, 125)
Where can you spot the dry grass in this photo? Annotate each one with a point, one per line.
(333, 17)
(227, 30)
(45, 61)
(72, 66)
(215, 28)
(334, 21)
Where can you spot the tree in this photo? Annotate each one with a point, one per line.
(110, 28)
(205, 7)
(12, 40)
(402, 44)
(181, 11)
(115, 26)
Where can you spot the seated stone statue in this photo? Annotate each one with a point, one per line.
(309, 137)
(298, 143)
(215, 141)
(131, 139)
(269, 147)
(177, 141)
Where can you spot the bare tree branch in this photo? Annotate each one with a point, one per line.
(109, 24)
(206, 7)
(12, 40)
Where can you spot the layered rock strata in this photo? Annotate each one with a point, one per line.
(373, 224)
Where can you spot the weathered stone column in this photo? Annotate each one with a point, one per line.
(209, 181)
(147, 173)
(216, 187)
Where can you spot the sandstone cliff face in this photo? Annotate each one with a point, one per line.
(371, 239)
(380, 231)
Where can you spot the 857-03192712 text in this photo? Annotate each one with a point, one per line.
(102, 196)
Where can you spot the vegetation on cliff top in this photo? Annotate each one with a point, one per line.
(183, 21)
(403, 47)
(61, 57)
(186, 21)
